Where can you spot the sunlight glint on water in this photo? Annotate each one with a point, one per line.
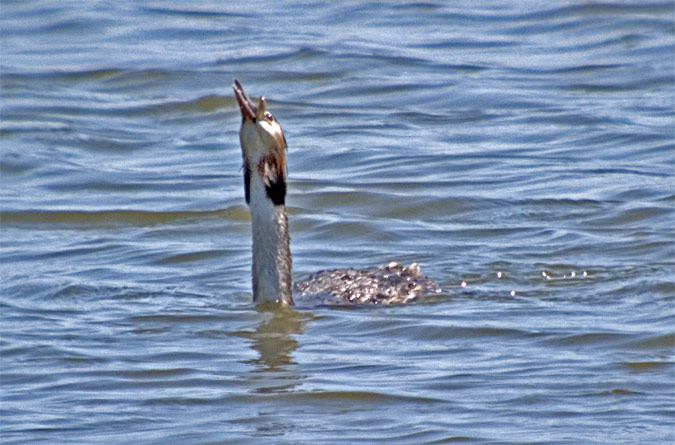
(521, 152)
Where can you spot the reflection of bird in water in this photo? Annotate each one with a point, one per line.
(263, 147)
(274, 339)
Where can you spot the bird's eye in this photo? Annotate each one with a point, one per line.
(268, 117)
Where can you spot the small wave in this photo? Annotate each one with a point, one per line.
(347, 396)
(126, 217)
(194, 13)
(646, 366)
(591, 339)
(203, 104)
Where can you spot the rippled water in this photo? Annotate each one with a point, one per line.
(522, 152)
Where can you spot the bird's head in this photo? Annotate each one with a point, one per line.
(263, 146)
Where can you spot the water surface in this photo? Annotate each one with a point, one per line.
(521, 152)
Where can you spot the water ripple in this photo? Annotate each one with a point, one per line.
(521, 153)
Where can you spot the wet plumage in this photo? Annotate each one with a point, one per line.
(263, 148)
(391, 284)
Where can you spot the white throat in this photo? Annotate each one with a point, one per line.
(271, 246)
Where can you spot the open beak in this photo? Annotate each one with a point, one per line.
(248, 108)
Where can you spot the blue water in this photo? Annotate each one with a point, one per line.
(521, 152)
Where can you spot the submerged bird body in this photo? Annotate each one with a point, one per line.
(391, 284)
(263, 147)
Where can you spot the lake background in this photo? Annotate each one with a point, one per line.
(521, 152)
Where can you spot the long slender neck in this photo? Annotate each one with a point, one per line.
(271, 242)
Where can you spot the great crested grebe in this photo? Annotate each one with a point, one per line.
(263, 147)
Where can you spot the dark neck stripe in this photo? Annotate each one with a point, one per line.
(247, 183)
(276, 191)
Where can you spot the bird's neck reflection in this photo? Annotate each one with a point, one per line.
(275, 343)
